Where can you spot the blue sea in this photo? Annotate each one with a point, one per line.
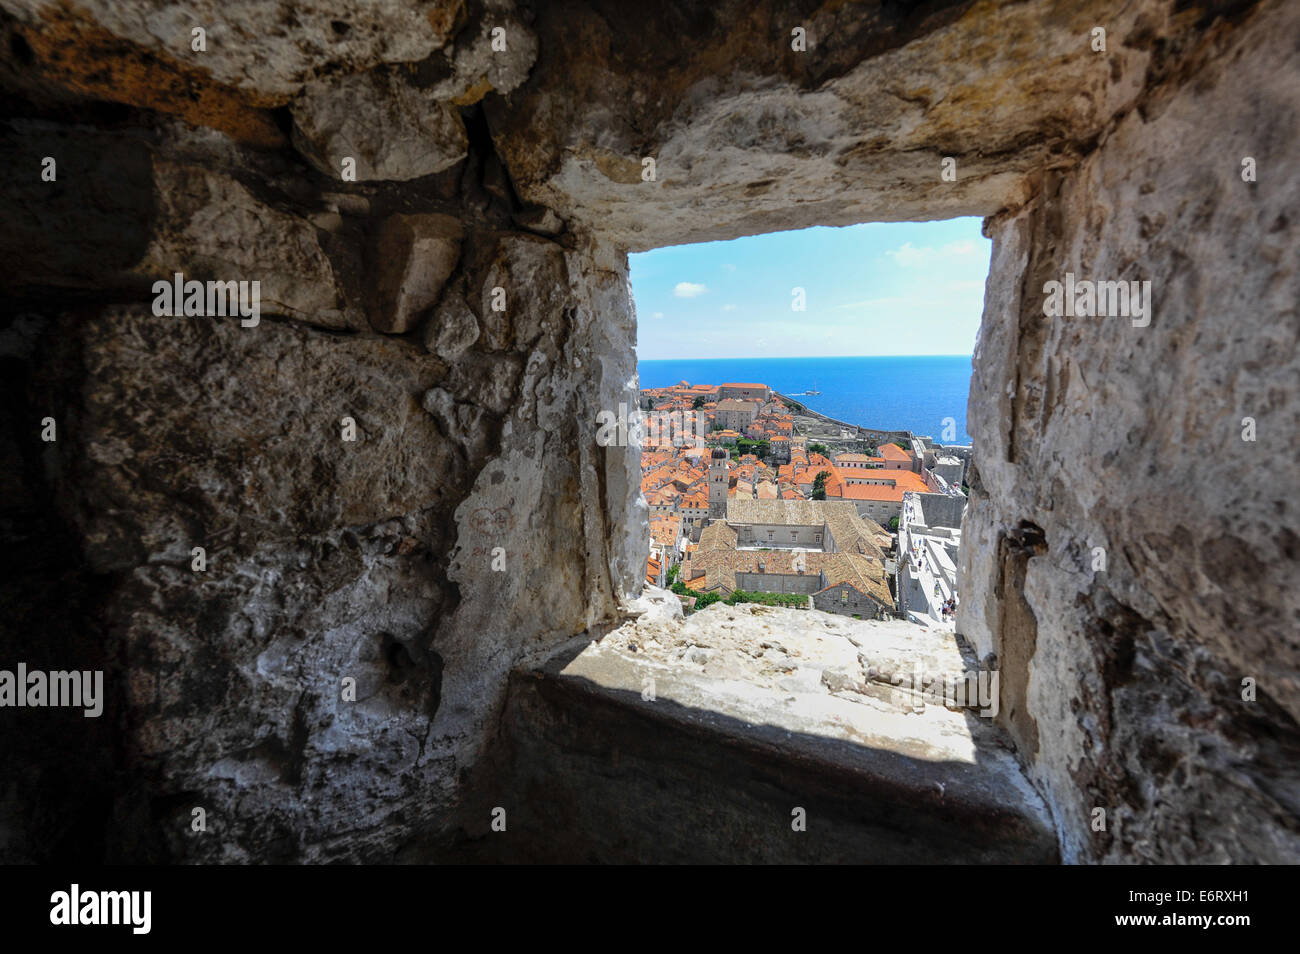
(910, 393)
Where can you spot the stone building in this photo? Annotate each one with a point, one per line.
(832, 526)
(734, 414)
(951, 469)
(757, 393)
(850, 463)
(894, 457)
(843, 573)
(719, 483)
(666, 538)
(854, 587)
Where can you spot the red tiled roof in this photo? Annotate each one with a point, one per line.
(664, 530)
(903, 482)
(879, 492)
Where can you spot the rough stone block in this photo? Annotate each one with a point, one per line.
(414, 255)
(390, 129)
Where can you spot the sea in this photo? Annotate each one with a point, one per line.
(899, 393)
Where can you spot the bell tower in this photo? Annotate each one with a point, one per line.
(719, 475)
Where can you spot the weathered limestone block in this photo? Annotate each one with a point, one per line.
(476, 66)
(732, 737)
(540, 220)
(656, 605)
(413, 257)
(195, 440)
(610, 365)
(543, 550)
(387, 127)
(210, 227)
(264, 50)
(750, 136)
(494, 380)
(291, 693)
(465, 424)
(1123, 441)
(519, 299)
(453, 327)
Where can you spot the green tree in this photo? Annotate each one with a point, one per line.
(795, 600)
(818, 449)
(699, 403)
(819, 485)
(893, 524)
(701, 599)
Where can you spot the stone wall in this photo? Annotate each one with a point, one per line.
(1092, 433)
(639, 749)
(857, 604)
(941, 511)
(522, 170)
(778, 583)
(327, 558)
(776, 536)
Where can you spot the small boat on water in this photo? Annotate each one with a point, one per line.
(814, 389)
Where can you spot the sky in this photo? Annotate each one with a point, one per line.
(885, 288)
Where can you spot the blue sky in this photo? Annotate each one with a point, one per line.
(900, 288)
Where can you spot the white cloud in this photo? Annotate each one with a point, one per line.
(688, 290)
(908, 255)
(728, 307)
(730, 268)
